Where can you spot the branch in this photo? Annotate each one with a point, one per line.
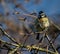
(13, 51)
(4, 33)
(19, 45)
(8, 43)
(39, 49)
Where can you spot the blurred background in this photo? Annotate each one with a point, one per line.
(12, 10)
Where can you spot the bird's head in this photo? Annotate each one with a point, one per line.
(43, 19)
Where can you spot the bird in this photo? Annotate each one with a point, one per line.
(41, 23)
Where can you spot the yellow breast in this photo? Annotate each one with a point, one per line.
(44, 22)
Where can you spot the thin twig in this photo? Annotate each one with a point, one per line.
(8, 43)
(4, 33)
(50, 42)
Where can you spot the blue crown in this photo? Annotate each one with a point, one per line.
(41, 14)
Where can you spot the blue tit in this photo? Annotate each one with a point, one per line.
(43, 20)
(42, 23)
